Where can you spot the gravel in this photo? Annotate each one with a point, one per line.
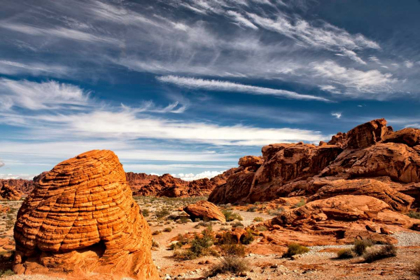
(32, 277)
(407, 238)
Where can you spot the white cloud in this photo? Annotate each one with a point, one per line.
(1, 163)
(326, 36)
(8, 67)
(336, 115)
(408, 64)
(17, 176)
(356, 82)
(330, 88)
(59, 32)
(192, 176)
(37, 96)
(218, 85)
(241, 20)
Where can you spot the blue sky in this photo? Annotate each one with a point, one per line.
(188, 87)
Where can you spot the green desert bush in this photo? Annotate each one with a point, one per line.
(163, 212)
(230, 264)
(295, 249)
(5, 273)
(414, 215)
(248, 237)
(300, 203)
(145, 212)
(199, 246)
(230, 216)
(360, 246)
(233, 250)
(258, 219)
(346, 254)
(375, 254)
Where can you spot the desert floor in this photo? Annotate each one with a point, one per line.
(263, 260)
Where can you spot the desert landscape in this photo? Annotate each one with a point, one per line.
(209, 139)
(346, 209)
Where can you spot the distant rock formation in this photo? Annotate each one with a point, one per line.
(81, 219)
(390, 160)
(20, 185)
(169, 186)
(9, 193)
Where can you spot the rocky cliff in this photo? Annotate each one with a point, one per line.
(371, 159)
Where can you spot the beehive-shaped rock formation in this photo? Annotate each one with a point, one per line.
(81, 219)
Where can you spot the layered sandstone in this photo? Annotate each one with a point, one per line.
(81, 219)
(205, 210)
(371, 150)
(169, 186)
(9, 193)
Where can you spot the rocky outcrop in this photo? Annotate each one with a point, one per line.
(81, 219)
(343, 218)
(169, 186)
(205, 210)
(9, 193)
(366, 187)
(368, 151)
(20, 185)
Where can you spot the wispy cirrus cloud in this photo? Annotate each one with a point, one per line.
(217, 85)
(40, 96)
(9, 67)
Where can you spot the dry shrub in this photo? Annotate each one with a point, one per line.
(375, 254)
(295, 249)
(230, 264)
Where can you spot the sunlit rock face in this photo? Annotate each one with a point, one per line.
(81, 219)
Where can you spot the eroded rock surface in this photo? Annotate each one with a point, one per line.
(81, 219)
(9, 193)
(205, 210)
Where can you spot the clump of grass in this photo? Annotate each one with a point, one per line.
(156, 232)
(295, 249)
(145, 212)
(300, 203)
(237, 224)
(5, 273)
(258, 219)
(261, 228)
(168, 229)
(414, 215)
(230, 216)
(200, 246)
(360, 246)
(163, 212)
(230, 264)
(416, 269)
(386, 251)
(248, 237)
(233, 250)
(346, 254)
(252, 209)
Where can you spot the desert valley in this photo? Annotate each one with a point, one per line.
(346, 209)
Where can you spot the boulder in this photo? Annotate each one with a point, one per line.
(205, 210)
(408, 136)
(399, 162)
(250, 161)
(81, 219)
(367, 134)
(367, 187)
(8, 192)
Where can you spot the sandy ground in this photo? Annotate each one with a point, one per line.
(264, 261)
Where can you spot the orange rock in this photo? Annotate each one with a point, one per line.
(408, 136)
(10, 193)
(369, 187)
(204, 209)
(250, 161)
(81, 219)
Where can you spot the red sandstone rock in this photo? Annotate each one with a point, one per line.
(250, 161)
(9, 193)
(205, 210)
(368, 187)
(408, 136)
(81, 219)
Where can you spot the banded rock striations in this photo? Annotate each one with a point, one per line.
(205, 210)
(357, 185)
(9, 193)
(81, 219)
